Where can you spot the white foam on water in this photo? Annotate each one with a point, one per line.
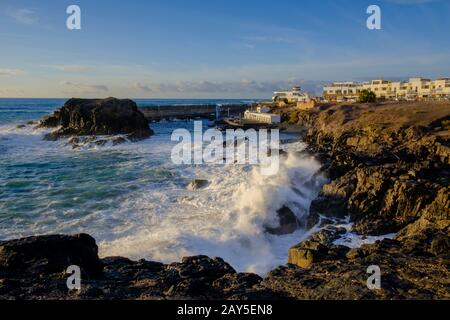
(353, 240)
(226, 219)
(154, 216)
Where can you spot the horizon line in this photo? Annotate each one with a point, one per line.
(133, 98)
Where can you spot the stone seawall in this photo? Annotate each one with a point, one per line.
(190, 111)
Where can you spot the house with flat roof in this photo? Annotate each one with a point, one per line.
(414, 88)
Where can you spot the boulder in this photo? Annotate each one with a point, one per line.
(202, 267)
(317, 248)
(197, 184)
(85, 117)
(50, 254)
(288, 222)
(306, 253)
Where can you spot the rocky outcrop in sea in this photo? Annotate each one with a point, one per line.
(97, 117)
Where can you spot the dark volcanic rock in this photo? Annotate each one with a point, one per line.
(288, 222)
(202, 266)
(46, 258)
(50, 254)
(403, 276)
(318, 248)
(382, 199)
(85, 117)
(340, 274)
(389, 165)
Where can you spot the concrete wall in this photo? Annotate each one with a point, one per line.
(190, 111)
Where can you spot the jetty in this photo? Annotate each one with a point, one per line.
(189, 111)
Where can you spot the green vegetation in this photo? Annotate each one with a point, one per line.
(367, 96)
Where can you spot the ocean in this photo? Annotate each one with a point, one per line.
(133, 200)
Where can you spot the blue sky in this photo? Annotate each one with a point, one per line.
(214, 48)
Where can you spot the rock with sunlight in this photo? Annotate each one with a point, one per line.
(98, 117)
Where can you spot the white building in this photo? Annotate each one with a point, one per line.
(294, 95)
(415, 88)
(347, 90)
(262, 117)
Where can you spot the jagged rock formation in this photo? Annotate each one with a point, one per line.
(389, 170)
(48, 254)
(94, 117)
(34, 268)
(405, 274)
(389, 165)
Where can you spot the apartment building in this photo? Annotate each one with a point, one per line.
(415, 88)
(342, 90)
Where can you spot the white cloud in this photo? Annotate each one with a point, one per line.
(11, 72)
(142, 87)
(72, 68)
(24, 16)
(232, 87)
(86, 88)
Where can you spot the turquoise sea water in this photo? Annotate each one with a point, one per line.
(134, 200)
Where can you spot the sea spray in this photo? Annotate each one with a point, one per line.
(227, 219)
(134, 200)
(295, 186)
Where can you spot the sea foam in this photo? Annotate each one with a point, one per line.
(134, 200)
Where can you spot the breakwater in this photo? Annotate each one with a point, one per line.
(156, 113)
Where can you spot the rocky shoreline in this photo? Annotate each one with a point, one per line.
(389, 172)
